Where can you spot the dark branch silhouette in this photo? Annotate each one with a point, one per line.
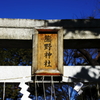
(86, 54)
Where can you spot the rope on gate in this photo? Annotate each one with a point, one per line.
(44, 89)
(4, 91)
(36, 87)
(53, 87)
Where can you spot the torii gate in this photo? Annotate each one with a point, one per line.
(21, 32)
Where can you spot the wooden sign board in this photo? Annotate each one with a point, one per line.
(46, 52)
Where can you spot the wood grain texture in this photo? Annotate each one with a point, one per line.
(60, 51)
(34, 51)
(47, 52)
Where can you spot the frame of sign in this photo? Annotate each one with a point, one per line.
(47, 51)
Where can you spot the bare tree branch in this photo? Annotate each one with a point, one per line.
(91, 61)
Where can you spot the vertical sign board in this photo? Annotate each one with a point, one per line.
(46, 52)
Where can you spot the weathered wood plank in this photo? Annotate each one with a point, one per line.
(81, 73)
(48, 48)
(60, 50)
(34, 51)
(15, 73)
(47, 51)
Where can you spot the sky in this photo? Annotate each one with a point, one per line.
(49, 9)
